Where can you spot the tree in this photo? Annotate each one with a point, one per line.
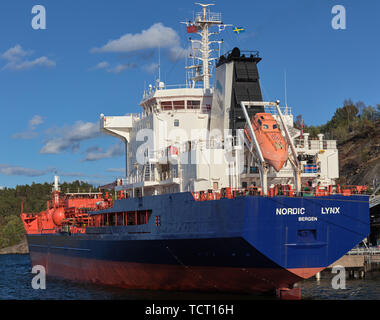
(299, 122)
(370, 113)
(360, 106)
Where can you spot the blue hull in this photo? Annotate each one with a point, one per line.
(281, 239)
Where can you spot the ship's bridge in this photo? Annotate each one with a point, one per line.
(171, 113)
(176, 98)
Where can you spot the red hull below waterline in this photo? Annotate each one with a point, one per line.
(169, 277)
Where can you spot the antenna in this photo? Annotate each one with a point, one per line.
(204, 6)
(159, 62)
(286, 98)
(186, 70)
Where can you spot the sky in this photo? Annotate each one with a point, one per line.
(97, 57)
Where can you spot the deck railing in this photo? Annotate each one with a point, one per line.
(365, 251)
(279, 190)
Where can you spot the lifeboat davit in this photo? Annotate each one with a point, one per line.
(272, 144)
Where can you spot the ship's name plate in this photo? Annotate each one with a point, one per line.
(289, 211)
(330, 210)
(297, 211)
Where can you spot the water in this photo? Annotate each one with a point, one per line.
(16, 278)
(356, 289)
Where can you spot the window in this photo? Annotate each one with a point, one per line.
(125, 218)
(176, 122)
(166, 105)
(119, 219)
(193, 104)
(275, 126)
(179, 105)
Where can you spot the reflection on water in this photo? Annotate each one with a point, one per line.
(16, 277)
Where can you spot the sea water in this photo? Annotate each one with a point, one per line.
(16, 284)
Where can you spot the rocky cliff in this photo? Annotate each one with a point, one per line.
(20, 248)
(359, 157)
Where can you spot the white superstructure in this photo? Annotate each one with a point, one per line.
(187, 138)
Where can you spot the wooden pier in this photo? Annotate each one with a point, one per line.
(358, 262)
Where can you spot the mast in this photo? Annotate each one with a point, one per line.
(201, 25)
(205, 46)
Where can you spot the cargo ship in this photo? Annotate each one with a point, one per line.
(221, 192)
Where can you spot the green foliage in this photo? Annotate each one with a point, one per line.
(370, 113)
(34, 199)
(11, 232)
(348, 120)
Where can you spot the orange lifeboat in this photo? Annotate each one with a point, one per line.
(272, 144)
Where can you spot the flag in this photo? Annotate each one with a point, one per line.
(238, 30)
(192, 29)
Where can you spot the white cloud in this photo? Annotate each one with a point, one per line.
(156, 36)
(101, 65)
(94, 149)
(69, 137)
(179, 53)
(121, 67)
(150, 68)
(115, 150)
(16, 55)
(30, 133)
(10, 170)
(117, 170)
(25, 135)
(35, 121)
(78, 175)
(104, 65)
(24, 65)
(71, 174)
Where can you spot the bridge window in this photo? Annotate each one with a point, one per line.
(193, 104)
(275, 126)
(265, 126)
(166, 105)
(179, 105)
